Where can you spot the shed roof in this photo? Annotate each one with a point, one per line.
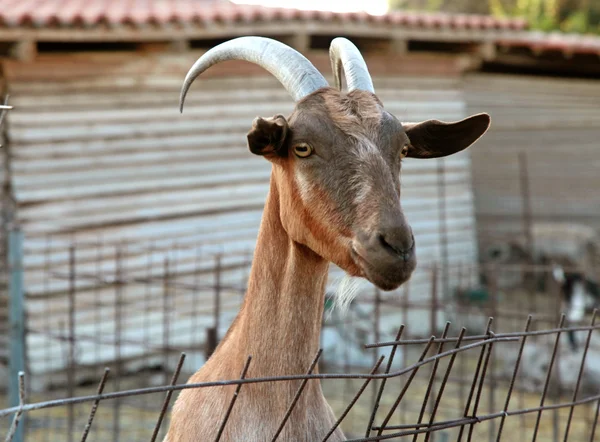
(87, 13)
(159, 20)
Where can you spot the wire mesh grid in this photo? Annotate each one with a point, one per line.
(139, 308)
(380, 425)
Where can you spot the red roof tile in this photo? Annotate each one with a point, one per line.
(557, 42)
(86, 14)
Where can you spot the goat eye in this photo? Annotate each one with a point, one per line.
(404, 151)
(303, 150)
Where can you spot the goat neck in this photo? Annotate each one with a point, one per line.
(280, 321)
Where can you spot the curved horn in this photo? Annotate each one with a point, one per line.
(292, 69)
(345, 56)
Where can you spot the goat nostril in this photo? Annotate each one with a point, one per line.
(383, 242)
(403, 252)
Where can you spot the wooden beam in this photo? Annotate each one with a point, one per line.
(167, 46)
(24, 50)
(399, 46)
(299, 41)
(271, 28)
(487, 50)
(180, 45)
(469, 62)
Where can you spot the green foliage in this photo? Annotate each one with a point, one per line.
(578, 21)
(434, 5)
(497, 9)
(582, 16)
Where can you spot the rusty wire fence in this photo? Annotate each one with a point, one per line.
(452, 373)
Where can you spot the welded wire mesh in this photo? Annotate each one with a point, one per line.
(136, 308)
(468, 415)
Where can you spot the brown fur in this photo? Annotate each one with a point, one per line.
(285, 290)
(340, 205)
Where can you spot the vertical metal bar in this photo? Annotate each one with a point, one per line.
(434, 301)
(482, 378)
(513, 378)
(353, 401)
(14, 426)
(233, 400)
(48, 327)
(212, 333)
(98, 305)
(547, 382)
(217, 300)
(555, 424)
(434, 368)
(462, 369)
(459, 277)
(493, 278)
(405, 305)
(94, 408)
(412, 375)
(480, 388)
(117, 307)
(376, 320)
(431, 435)
(165, 404)
(166, 317)
(441, 176)
(16, 312)
(71, 357)
(580, 375)
(148, 301)
(383, 381)
(474, 382)
(288, 412)
(595, 424)
(555, 412)
(526, 202)
(196, 298)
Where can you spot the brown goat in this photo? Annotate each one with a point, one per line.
(334, 197)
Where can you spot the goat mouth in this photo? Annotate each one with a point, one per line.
(382, 278)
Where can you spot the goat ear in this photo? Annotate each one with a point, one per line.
(435, 139)
(267, 136)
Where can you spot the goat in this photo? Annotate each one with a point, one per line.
(334, 197)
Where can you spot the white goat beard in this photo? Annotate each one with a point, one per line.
(346, 292)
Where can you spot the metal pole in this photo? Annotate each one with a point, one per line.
(117, 342)
(217, 308)
(16, 318)
(493, 291)
(212, 333)
(434, 300)
(526, 203)
(376, 328)
(443, 228)
(71, 361)
(166, 316)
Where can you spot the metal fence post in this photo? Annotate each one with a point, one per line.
(16, 319)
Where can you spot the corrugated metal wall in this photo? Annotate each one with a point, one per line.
(101, 151)
(556, 123)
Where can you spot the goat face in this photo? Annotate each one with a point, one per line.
(337, 157)
(337, 161)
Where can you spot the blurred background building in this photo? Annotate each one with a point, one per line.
(97, 159)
